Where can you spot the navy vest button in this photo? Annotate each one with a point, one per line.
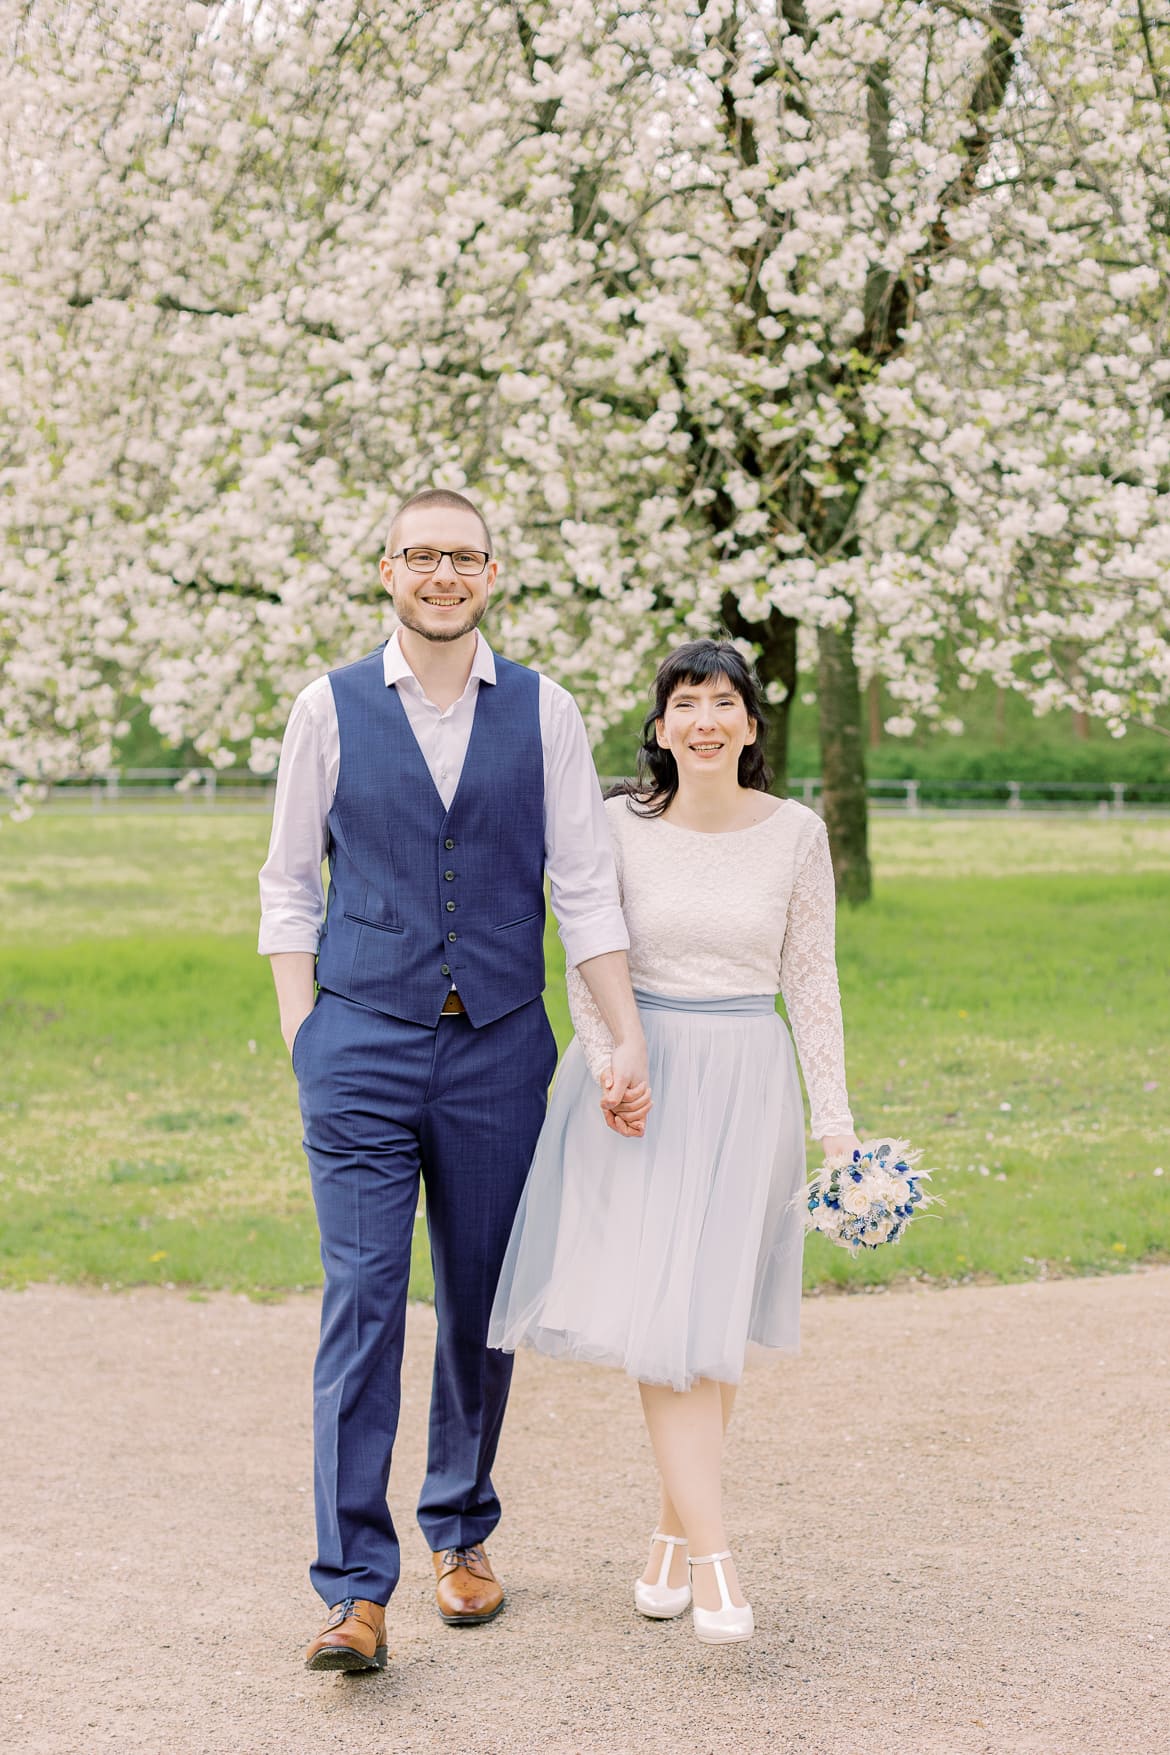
(452, 936)
(450, 907)
(444, 970)
(448, 843)
(450, 876)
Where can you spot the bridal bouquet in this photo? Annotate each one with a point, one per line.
(869, 1199)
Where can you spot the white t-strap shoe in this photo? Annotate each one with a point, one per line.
(659, 1601)
(720, 1626)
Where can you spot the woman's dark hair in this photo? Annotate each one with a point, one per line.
(699, 661)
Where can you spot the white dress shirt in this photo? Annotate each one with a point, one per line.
(577, 850)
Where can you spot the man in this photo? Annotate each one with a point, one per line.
(441, 782)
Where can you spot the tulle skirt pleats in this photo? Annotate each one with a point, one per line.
(666, 1255)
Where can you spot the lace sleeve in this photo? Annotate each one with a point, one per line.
(591, 1028)
(808, 981)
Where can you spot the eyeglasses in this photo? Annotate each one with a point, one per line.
(466, 561)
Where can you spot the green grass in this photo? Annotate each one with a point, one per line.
(1004, 998)
(1015, 1028)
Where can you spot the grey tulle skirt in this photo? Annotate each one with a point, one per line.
(667, 1255)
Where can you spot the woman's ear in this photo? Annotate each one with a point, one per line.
(753, 727)
(660, 734)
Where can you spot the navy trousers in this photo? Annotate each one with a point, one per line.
(384, 1102)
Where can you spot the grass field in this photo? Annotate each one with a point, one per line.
(1005, 1001)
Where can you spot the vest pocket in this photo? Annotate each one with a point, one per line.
(378, 925)
(506, 925)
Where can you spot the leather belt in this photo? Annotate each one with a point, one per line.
(452, 1004)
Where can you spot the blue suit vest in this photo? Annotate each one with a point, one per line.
(420, 896)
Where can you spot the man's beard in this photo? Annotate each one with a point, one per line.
(443, 635)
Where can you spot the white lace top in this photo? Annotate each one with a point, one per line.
(748, 911)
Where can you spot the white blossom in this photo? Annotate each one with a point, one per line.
(717, 316)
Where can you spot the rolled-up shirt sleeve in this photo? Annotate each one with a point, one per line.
(577, 848)
(292, 893)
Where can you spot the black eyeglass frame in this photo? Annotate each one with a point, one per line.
(442, 554)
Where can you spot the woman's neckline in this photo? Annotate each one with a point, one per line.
(721, 834)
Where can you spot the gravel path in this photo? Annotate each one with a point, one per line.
(952, 1512)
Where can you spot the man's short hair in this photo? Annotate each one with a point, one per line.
(437, 497)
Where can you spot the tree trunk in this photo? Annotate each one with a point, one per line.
(776, 639)
(874, 698)
(843, 763)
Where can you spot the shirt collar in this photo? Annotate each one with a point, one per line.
(396, 669)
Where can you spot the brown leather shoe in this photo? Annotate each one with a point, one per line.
(353, 1638)
(468, 1590)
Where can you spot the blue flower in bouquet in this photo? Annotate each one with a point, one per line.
(868, 1199)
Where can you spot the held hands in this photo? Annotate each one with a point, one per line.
(625, 1087)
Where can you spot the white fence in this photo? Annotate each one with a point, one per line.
(237, 791)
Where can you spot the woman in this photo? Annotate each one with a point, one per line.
(666, 1254)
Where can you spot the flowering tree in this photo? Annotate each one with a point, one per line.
(839, 324)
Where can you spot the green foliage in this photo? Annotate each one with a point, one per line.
(1003, 741)
(149, 1119)
(1000, 741)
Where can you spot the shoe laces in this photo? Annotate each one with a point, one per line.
(345, 1610)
